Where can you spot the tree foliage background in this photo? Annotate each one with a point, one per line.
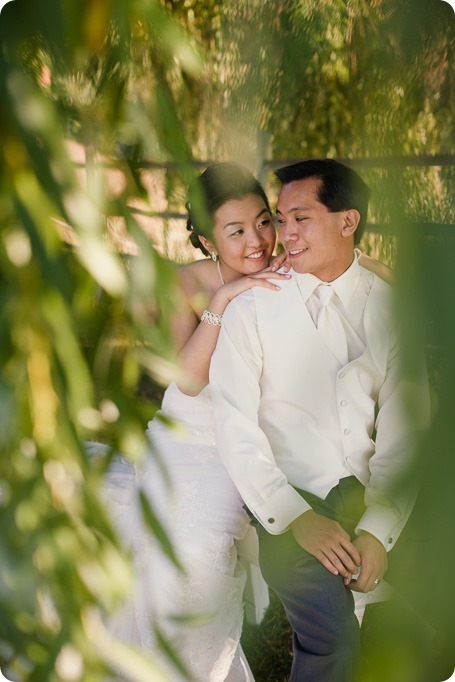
(177, 82)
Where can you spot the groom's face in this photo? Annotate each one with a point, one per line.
(313, 237)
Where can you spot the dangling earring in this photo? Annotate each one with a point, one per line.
(214, 256)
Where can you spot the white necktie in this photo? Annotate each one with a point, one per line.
(330, 326)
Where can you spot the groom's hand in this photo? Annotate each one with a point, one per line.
(326, 540)
(374, 562)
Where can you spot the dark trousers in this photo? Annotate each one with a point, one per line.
(320, 609)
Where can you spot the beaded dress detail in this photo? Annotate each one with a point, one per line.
(195, 500)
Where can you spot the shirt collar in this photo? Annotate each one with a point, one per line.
(343, 285)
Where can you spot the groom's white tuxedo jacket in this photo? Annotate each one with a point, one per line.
(288, 416)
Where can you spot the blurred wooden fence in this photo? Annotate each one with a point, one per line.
(116, 170)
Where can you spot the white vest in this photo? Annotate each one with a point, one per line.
(310, 408)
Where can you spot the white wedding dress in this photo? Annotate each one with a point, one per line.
(192, 495)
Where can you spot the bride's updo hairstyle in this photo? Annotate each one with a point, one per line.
(218, 184)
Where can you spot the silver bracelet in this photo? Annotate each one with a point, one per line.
(211, 318)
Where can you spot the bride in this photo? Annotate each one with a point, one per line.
(182, 475)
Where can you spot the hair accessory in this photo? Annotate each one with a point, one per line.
(190, 227)
(211, 318)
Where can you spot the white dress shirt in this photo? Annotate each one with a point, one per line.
(288, 416)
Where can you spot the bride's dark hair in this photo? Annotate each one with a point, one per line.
(218, 184)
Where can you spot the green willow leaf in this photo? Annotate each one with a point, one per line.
(157, 529)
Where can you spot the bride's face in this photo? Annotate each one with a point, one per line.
(244, 235)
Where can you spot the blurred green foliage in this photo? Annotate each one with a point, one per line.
(77, 325)
(80, 326)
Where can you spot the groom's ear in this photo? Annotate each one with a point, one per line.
(351, 220)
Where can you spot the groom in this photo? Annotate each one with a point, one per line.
(309, 417)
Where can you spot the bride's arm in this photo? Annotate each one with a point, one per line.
(380, 269)
(196, 340)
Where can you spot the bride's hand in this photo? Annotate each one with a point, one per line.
(377, 267)
(279, 261)
(259, 279)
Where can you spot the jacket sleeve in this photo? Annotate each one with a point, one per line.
(243, 446)
(391, 491)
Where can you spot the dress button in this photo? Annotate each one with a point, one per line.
(341, 375)
(347, 431)
(271, 520)
(343, 403)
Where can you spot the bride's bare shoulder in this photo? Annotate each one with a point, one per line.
(195, 276)
(195, 282)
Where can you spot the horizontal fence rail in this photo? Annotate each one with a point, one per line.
(386, 162)
(378, 161)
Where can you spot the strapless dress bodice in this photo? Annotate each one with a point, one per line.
(195, 412)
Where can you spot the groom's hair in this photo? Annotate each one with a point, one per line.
(340, 189)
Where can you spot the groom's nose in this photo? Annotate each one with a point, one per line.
(287, 234)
